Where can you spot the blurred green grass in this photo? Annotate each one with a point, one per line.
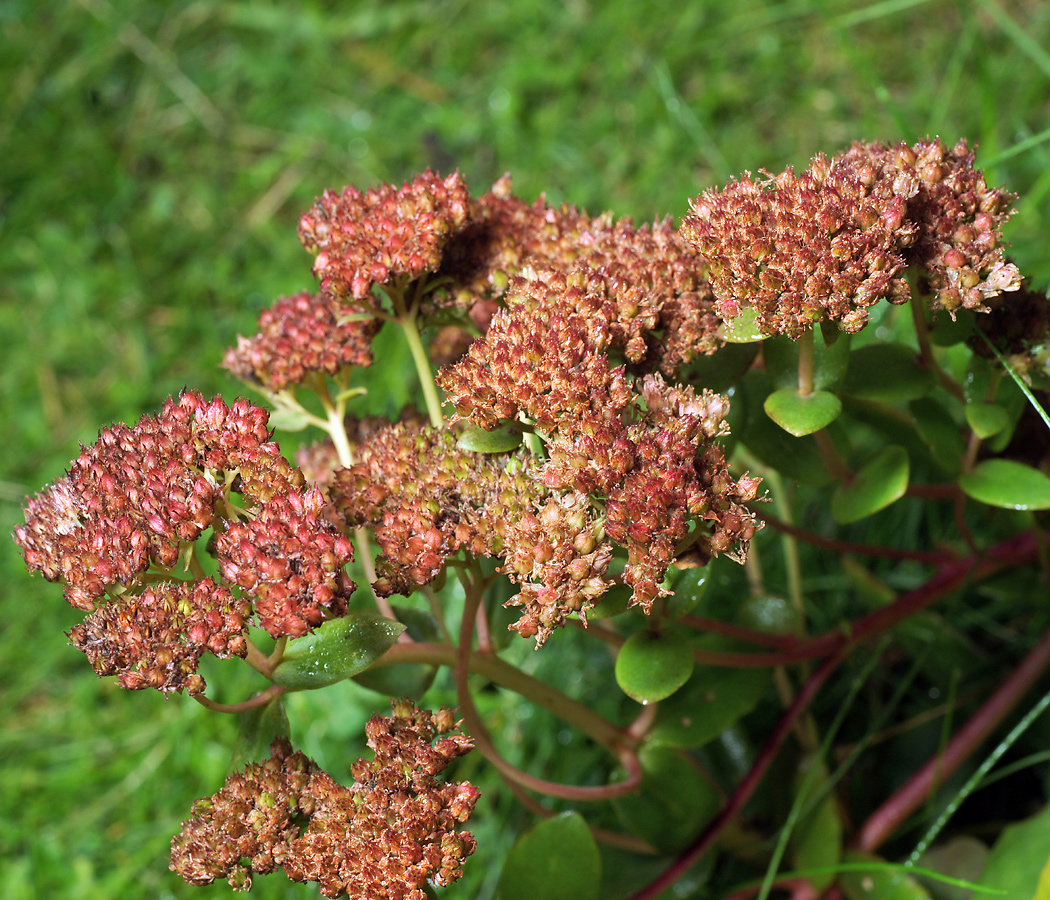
(153, 162)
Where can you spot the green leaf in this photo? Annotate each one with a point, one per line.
(878, 483)
(947, 332)
(653, 665)
(258, 728)
(712, 700)
(986, 419)
(1019, 863)
(722, 369)
(744, 328)
(1007, 484)
(556, 860)
(405, 679)
(770, 614)
(289, 418)
(962, 858)
(689, 586)
(830, 361)
(802, 414)
(817, 839)
(887, 372)
(878, 884)
(672, 804)
(500, 440)
(338, 649)
(939, 432)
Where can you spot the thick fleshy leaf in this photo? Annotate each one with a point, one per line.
(817, 839)
(689, 587)
(769, 613)
(1019, 864)
(258, 728)
(555, 860)
(338, 649)
(722, 369)
(878, 884)
(878, 483)
(653, 665)
(948, 331)
(986, 419)
(887, 372)
(830, 361)
(500, 440)
(673, 802)
(1007, 484)
(962, 857)
(405, 679)
(289, 418)
(712, 700)
(939, 432)
(743, 329)
(799, 459)
(802, 414)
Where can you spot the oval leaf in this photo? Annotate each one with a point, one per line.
(986, 419)
(556, 860)
(712, 700)
(743, 329)
(722, 369)
(887, 372)
(338, 649)
(288, 418)
(817, 840)
(653, 665)
(771, 614)
(405, 679)
(258, 728)
(939, 432)
(1007, 484)
(830, 361)
(672, 804)
(877, 484)
(802, 414)
(1020, 858)
(688, 586)
(500, 440)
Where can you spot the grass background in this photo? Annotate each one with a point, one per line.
(153, 162)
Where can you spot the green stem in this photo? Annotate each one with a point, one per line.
(805, 364)
(922, 336)
(426, 376)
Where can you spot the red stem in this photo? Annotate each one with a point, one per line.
(746, 787)
(888, 817)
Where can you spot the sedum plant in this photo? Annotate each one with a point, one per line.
(609, 414)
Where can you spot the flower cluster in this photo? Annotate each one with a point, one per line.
(290, 559)
(650, 277)
(426, 498)
(132, 499)
(833, 241)
(379, 839)
(298, 335)
(156, 638)
(134, 504)
(364, 239)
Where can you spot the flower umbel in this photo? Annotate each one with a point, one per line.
(381, 838)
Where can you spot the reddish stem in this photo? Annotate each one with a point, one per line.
(260, 699)
(888, 817)
(860, 549)
(746, 787)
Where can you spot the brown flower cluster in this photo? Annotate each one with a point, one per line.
(833, 241)
(133, 498)
(135, 502)
(426, 498)
(363, 239)
(382, 838)
(290, 559)
(156, 638)
(650, 278)
(298, 335)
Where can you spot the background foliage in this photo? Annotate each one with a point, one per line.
(153, 162)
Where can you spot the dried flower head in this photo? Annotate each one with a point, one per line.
(131, 500)
(298, 335)
(381, 838)
(363, 239)
(831, 242)
(290, 559)
(156, 638)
